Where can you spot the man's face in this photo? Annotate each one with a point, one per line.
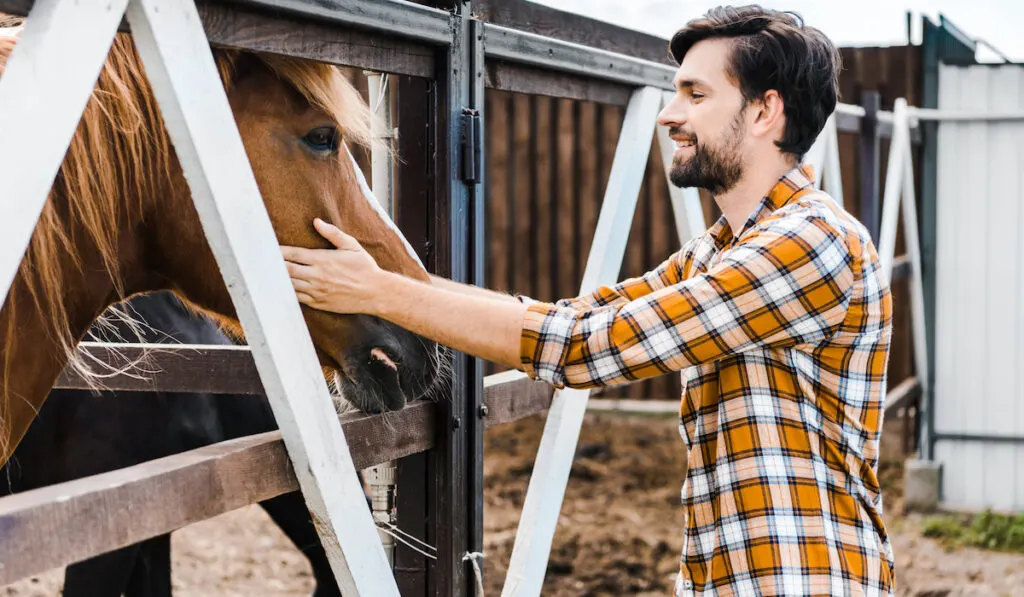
(706, 120)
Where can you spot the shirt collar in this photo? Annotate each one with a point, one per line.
(784, 192)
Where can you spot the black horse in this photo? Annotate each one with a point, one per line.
(79, 433)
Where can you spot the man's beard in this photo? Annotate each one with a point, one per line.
(714, 168)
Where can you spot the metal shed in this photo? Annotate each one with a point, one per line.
(977, 413)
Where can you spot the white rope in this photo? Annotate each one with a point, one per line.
(410, 537)
(380, 93)
(403, 541)
(474, 558)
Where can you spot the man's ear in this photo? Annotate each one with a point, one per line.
(769, 113)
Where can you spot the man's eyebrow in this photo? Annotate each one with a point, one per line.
(689, 83)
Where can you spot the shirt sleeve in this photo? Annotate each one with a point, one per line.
(787, 283)
(668, 273)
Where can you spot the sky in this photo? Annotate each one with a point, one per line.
(846, 22)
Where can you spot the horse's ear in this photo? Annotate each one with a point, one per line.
(236, 66)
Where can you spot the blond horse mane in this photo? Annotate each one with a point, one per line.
(119, 150)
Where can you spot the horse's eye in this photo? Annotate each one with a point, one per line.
(323, 139)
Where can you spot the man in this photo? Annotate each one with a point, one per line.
(776, 316)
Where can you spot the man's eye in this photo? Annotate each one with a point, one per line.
(323, 139)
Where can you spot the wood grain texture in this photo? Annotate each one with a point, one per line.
(512, 396)
(565, 26)
(170, 368)
(524, 79)
(57, 525)
(252, 29)
(257, 29)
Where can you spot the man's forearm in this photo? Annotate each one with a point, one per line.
(488, 327)
(470, 290)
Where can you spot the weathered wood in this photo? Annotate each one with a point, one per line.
(89, 514)
(571, 27)
(169, 368)
(513, 45)
(258, 29)
(512, 395)
(97, 514)
(261, 31)
(525, 79)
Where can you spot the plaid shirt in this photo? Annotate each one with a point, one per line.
(782, 336)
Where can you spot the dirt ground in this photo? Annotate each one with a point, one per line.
(618, 534)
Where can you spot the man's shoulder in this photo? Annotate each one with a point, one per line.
(814, 213)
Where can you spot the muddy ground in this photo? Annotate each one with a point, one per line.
(618, 534)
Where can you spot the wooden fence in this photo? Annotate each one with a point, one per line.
(548, 163)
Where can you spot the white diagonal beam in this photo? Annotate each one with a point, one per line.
(816, 155)
(565, 418)
(894, 187)
(831, 170)
(918, 321)
(45, 87)
(181, 69)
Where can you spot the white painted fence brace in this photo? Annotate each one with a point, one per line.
(59, 58)
(899, 191)
(824, 158)
(546, 491)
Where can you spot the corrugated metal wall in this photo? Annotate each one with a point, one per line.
(979, 322)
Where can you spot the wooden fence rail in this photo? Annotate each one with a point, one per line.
(129, 505)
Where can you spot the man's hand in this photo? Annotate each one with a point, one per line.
(348, 280)
(342, 280)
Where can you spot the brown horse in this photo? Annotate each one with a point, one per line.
(120, 221)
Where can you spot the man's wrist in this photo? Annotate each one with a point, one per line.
(389, 292)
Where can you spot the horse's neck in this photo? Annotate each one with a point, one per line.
(33, 355)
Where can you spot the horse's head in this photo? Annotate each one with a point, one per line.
(297, 120)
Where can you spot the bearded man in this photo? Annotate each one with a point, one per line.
(777, 318)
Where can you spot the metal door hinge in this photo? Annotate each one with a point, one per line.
(472, 150)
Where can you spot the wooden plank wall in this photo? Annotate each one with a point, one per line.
(548, 162)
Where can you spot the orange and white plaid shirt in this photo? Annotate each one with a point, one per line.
(782, 336)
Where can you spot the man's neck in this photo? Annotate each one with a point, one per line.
(739, 202)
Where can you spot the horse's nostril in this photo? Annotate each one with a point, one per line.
(380, 356)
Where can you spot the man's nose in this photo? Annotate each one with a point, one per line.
(673, 114)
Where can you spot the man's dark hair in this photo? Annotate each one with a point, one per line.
(774, 50)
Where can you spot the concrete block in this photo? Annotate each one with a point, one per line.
(923, 480)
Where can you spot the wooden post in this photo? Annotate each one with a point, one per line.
(869, 163)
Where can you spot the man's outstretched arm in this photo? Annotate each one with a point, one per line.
(470, 290)
(472, 320)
